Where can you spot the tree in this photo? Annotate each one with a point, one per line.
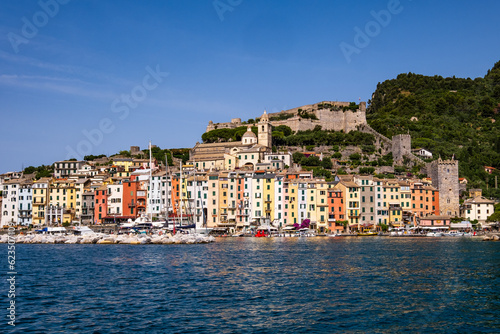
(297, 157)
(29, 170)
(495, 217)
(286, 130)
(327, 163)
(366, 170)
(355, 157)
(93, 157)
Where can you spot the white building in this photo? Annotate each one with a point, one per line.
(63, 169)
(422, 152)
(115, 199)
(87, 169)
(257, 200)
(25, 202)
(157, 193)
(278, 160)
(9, 210)
(17, 203)
(302, 202)
(479, 208)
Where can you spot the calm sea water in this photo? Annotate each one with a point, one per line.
(260, 285)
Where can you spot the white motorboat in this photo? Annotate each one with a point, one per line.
(454, 234)
(434, 234)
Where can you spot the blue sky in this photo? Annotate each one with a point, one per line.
(91, 77)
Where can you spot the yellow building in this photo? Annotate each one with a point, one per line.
(293, 203)
(213, 200)
(62, 194)
(392, 202)
(268, 196)
(321, 206)
(40, 200)
(223, 201)
(351, 195)
(80, 187)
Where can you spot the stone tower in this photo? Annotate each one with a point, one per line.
(401, 146)
(444, 175)
(265, 131)
(210, 126)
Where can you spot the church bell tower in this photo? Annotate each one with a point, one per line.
(265, 131)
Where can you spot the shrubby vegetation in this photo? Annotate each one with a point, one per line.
(281, 117)
(225, 135)
(304, 114)
(40, 171)
(352, 106)
(94, 157)
(451, 117)
(318, 137)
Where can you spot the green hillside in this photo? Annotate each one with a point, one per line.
(448, 116)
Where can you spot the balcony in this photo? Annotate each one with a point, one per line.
(226, 224)
(131, 205)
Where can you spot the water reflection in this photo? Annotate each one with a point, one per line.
(263, 285)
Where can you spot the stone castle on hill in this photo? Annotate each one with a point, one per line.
(329, 115)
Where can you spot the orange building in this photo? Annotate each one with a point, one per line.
(336, 210)
(175, 194)
(101, 204)
(134, 197)
(424, 200)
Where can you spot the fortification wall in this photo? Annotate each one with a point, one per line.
(380, 140)
(336, 120)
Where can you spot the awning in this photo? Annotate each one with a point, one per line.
(266, 228)
(434, 227)
(461, 225)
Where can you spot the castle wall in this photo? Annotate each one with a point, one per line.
(353, 119)
(336, 120)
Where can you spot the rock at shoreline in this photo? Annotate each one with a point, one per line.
(96, 238)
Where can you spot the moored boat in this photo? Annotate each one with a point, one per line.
(367, 234)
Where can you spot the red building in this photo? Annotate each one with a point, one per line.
(134, 197)
(101, 204)
(336, 210)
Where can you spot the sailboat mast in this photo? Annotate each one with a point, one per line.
(195, 212)
(150, 184)
(180, 197)
(166, 189)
